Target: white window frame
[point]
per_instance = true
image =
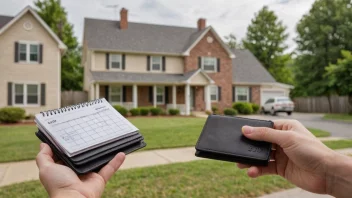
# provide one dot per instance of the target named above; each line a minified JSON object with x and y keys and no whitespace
{"x":120,"y":61}
{"x":236,"y":94}
{"x":121,"y":94}
{"x":151,"y":63}
{"x":215,"y":65}
{"x":28,"y":51}
{"x":217,"y":93}
{"x":25,"y":94}
{"x":160,"y":94}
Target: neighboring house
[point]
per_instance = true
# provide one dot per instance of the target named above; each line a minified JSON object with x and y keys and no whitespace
{"x":30,"y":63}
{"x":136,"y":64}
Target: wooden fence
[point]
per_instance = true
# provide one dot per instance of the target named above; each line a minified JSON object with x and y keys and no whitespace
{"x":73,"y":97}
{"x":339,"y":104}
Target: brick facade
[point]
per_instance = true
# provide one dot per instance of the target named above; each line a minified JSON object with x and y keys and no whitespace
{"x":199,"y":98}
{"x":222,"y":78}
{"x":255,"y":94}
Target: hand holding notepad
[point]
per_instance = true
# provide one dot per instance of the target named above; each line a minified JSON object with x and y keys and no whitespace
{"x":88,"y":135}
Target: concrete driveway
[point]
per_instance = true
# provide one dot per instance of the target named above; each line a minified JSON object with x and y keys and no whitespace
{"x":336,"y":128}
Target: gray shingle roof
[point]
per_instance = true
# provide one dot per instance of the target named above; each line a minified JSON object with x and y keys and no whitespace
{"x":247,"y":69}
{"x":4,"y":20}
{"x":138,"y":37}
{"x":127,"y":77}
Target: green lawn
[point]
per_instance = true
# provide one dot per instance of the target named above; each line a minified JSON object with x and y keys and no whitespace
{"x":339,"y":144}
{"x":193,"y":179}
{"x":339,"y":117}
{"x":319,"y":133}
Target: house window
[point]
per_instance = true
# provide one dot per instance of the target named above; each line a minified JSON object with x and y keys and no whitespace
{"x":28,"y":52}
{"x":26,"y":94}
{"x":115,"y":94}
{"x":214,"y":93}
{"x":160,"y":95}
{"x":115,"y":61}
{"x":209,"y":64}
{"x":156,"y":63}
{"x":242,"y":94}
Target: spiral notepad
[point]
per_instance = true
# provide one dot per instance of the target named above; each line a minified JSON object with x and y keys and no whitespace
{"x":79,"y":128}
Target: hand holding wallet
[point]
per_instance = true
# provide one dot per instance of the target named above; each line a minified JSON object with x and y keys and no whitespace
{"x":222,"y":139}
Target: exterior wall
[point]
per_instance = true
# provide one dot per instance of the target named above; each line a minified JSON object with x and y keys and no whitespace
{"x":255,"y":95}
{"x":180,"y":95}
{"x":138,"y":63}
{"x":222,"y":78}
{"x":199,"y":99}
{"x":129,"y":94}
{"x":199,"y":79}
{"x":143,"y":96}
{"x":48,"y":72}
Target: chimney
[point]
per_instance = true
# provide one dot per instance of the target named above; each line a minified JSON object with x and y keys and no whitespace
{"x":123,"y":19}
{"x":201,"y":23}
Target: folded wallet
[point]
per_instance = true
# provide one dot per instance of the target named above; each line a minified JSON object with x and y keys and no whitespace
{"x":222,"y":139}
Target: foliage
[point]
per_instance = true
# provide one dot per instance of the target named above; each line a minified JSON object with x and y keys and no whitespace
{"x":255,"y":107}
{"x":122,"y":110}
{"x":135,"y":112}
{"x":243,"y":107}
{"x":208,"y":112}
{"x":230,"y":112}
{"x":231,"y":41}
{"x":322,"y":34}
{"x":215,"y":110}
{"x":155,"y":111}
{"x":174,"y":111}
{"x":11,"y":114}
{"x":55,"y":16}
{"x":144,"y":111}
{"x":29,"y":117}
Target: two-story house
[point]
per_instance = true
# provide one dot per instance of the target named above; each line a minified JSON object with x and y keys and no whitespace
{"x":137,"y":64}
{"x":30,"y":63}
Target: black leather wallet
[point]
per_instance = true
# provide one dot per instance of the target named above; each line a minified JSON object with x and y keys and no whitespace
{"x":222,"y":139}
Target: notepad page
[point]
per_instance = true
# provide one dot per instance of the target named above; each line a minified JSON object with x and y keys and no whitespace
{"x":82,"y":129}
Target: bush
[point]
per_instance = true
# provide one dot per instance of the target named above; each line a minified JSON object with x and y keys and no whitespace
{"x":230,"y":112}
{"x":255,"y":108}
{"x":208,"y":112}
{"x":155,"y":111}
{"x":144,"y":111}
{"x":174,"y":111}
{"x":11,"y":114}
{"x":135,"y":112}
{"x":29,"y":117}
{"x":122,"y":110}
{"x":214,"y":109}
{"x":162,"y":112}
{"x":243,"y":108}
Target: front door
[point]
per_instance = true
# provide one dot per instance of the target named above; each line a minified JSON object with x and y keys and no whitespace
{"x":192,"y":101}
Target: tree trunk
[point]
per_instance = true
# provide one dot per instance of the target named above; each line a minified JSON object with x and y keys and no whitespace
{"x":330,"y":106}
{"x":350,"y":103}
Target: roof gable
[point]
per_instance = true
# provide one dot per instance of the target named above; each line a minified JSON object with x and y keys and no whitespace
{"x":4,"y":20}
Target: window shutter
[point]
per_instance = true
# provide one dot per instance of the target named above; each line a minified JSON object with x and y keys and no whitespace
{"x":42,"y":94}
{"x":107,"y":60}
{"x":218,"y":64}
{"x":151,"y":94}
{"x":123,"y":61}
{"x":163,"y":63}
{"x":250,"y":94}
{"x":107,"y":92}
{"x":219,"y":93}
{"x":124,"y":93}
{"x":41,"y":53}
{"x":166,"y":95}
{"x":199,"y":62}
{"x":148,"y":63}
{"x":16,"y":52}
{"x":233,"y":94}
{"x":9,"y":93}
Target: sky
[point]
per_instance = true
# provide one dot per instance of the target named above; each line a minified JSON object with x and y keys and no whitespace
{"x":226,"y":16}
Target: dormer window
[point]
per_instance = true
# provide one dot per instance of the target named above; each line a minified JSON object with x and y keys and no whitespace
{"x":156,"y":62}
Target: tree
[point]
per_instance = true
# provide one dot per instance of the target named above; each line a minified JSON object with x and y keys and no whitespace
{"x":265,"y":38}
{"x":55,"y":16}
{"x":231,"y":41}
{"x":322,"y":34}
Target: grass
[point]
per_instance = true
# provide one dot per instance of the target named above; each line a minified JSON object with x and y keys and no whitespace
{"x":339,"y":117}
{"x":193,"y":179}
{"x":319,"y":133}
{"x":339,"y":144}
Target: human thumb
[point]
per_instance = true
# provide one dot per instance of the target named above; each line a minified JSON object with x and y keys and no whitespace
{"x":267,"y":135}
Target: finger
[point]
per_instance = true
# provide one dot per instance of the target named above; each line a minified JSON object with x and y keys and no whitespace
{"x":45,"y":156}
{"x":243,"y":166}
{"x":108,"y":170}
{"x":281,"y":138}
{"x":256,"y":171}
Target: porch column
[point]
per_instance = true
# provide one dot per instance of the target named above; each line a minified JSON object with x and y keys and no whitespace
{"x":187,"y":99}
{"x":135,"y":96}
{"x":154,"y":96}
{"x":174,"y":106}
{"x":207,"y":98}
{"x":97,"y":91}
{"x":91,"y":92}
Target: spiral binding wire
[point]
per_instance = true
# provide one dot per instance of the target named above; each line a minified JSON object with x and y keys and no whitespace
{"x":70,"y":108}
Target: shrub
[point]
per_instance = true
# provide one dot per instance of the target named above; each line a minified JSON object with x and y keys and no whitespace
{"x":214,"y":109}
{"x":122,"y":110}
{"x":208,"y":112}
{"x":255,"y":108}
{"x":144,"y":111}
{"x":155,"y":111}
{"x":135,"y":112}
{"x":243,"y":108}
{"x":29,"y":117}
{"x":230,"y":112}
{"x":162,"y":112}
{"x":11,"y":114}
{"x":174,"y":111}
